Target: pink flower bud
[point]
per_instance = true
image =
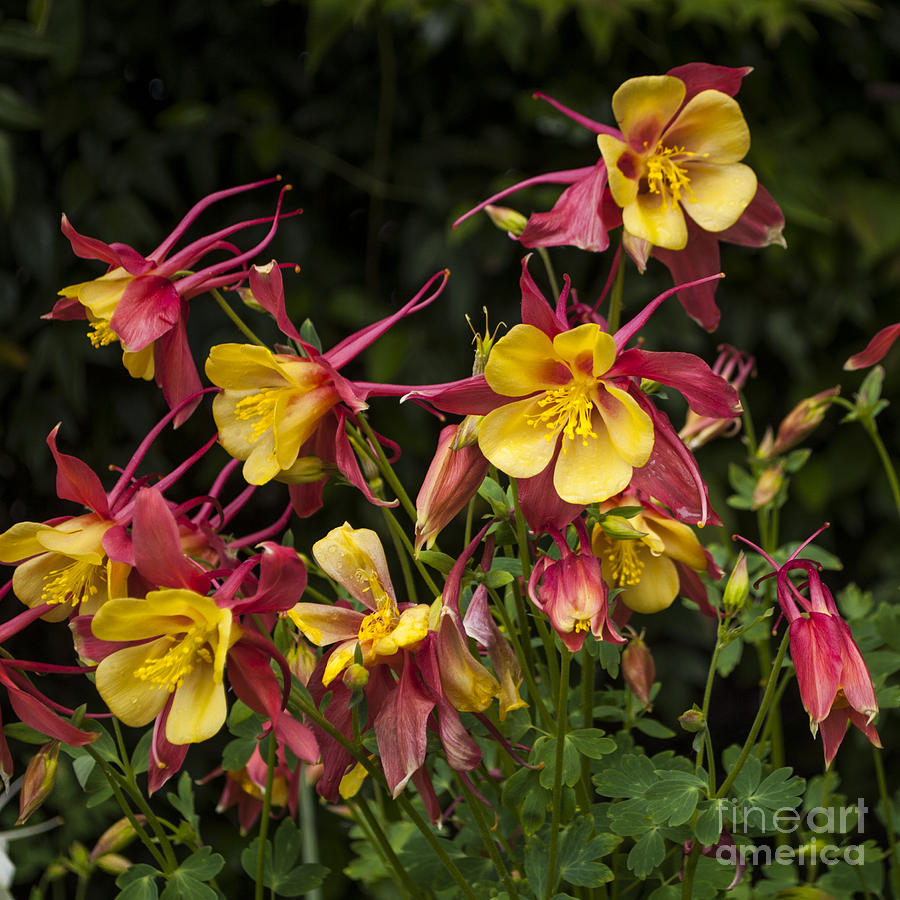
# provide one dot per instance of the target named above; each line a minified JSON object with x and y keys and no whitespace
{"x":118,"y":836}
{"x":804,"y":418}
{"x":767,"y":487}
{"x":40,"y":777}
{"x":639,"y":671}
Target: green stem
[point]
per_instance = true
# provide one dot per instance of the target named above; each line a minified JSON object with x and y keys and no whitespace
{"x":385,"y":467}
{"x":562,"y":721}
{"x":401,"y":555}
{"x":551,"y":275}
{"x":264,"y":818}
{"x":309,"y":833}
{"x":401,"y":535}
{"x":615,"y":297}
{"x":490,"y":845}
{"x":588,"y":667}
{"x":884,"y":456}
{"x":238,"y":321}
{"x":773,"y":725}
{"x":888,"y":820}
{"x":758,"y":721}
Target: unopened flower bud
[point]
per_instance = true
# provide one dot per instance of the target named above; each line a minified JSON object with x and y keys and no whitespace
{"x":39,"y":779}
{"x":451,"y":481}
{"x":114,"y":863}
{"x":355,"y":676}
{"x":466,"y":432}
{"x":806,"y":416}
{"x":507,"y":219}
{"x":639,"y":671}
{"x":117,"y":837}
{"x":738,"y":587}
{"x":767,"y":487}
{"x":620,"y":529}
{"x":483,"y":343}
{"x":305,"y":470}
{"x":301,"y":660}
{"x":692,"y":720}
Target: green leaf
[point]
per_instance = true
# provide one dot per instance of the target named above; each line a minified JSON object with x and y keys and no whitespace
{"x":579,"y":852}
{"x":183,"y":802}
{"x":653,"y":729}
{"x":280,"y":874}
{"x":203,"y":864}
{"x":708,"y":826}
{"x":310,"y":335}
{"x":436,"y":560}
{"x":237,"y":753}
{"x":781,"y":788}
{"x":534,"y":807}
{"x":673,"y":799}
{"x":544,"y":751}
{"x":138,"y":883}
{"x":495,"y":496}
{"x":185,"y":887}
{"x":647,"y":854}
{"x":591,"y":742}
{"x":630,"y":777}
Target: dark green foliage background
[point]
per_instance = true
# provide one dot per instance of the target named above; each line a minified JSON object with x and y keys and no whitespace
{"x":390,"y":119}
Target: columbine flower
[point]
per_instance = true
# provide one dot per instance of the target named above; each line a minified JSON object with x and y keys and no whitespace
{"x":564,"y":406}
{"x":835,"y":684}
{"x":679,"y":149}
{"x":650,"y":562}
{"x":284,"y":415}
{"x":572,"y":593}
{"x":141,"y":302}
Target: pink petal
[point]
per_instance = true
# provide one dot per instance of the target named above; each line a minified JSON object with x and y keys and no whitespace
{"x":535,"y":308}
{"x":176,"y":372}
{"x":282,"y":580}
{"x":299,"y":738}
{"x":761,"y":223}
{"x":816,"y":654}
{"x":268,"y":290}
{"x":699,"y":77}
{"x":75,"y":480}
{"x":165,"y":758}
{"x":875,"y":349}
{"x":149,"y":307}
{"x":114,"y":254}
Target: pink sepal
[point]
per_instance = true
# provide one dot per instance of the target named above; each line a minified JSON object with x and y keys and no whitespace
{"x":701,"y":76}
{"x":581,"y":217}
{"x":250,"y":675}
{"x":875,"y":350}
{"x":536,"y":310}
{"x":761,"y":223}
{"x":175,"y":370}
{"x":267,"y":287}
{"x":349,"y":465}
{"x":114,"y":254}
{"x":590,"y":124}
{"x":543,"y":508}
{"x":166,"y":758}
{"x":690,"y":586}
{"x":89,"y":647}
{"x":148,"y":308}
{"x":33,"y":712}
{"x":282,"y":580}
{"x":76,"y":481}
{"x":66,"y":309}
{"x":297,"y":737}
{"x":816,"y":653}
{"x":469,"y":396}
{"x":707,"y":394}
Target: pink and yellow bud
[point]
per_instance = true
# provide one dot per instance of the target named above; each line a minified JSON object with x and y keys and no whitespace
{"x":767,"y":487}
{"x":803,"y":419}
{"x":737,"y":589}
{"x":117,"y":837}
{"x":451,"y":481}
{"x":40,"y":776}
{"x":638,"y":670}
{"x":507,"y":219}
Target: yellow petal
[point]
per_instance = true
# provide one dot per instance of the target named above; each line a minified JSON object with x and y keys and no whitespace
{"x":296,"y":417}
{"x":243,"y":367}
{"x":522,"y":362}
{"x":167,"y":611}
{"x":512,"y":444}
{"x":133,"y":701}
{"x":587,"y":349}
{"x":652,"y":219}
{"x":644,"y":106}
{"x":198,"y":708}
{"x":718,"y":195}
{"x":20,"y":541}
{"x":101,"y":295}
{"x":412,"y":628}
{"x":680,"y":542}
{"x":657,"y":587}
{"x":590,"y":470}
{"x":79,"y":538}
{"x":346,"y":553}
{"x":340,"y":658}
{"x":712,"y":126}
{"x":140,"y":364}
{"x":323,"y":625}
{"x":623,"y":169}
{"x":630,"y":429}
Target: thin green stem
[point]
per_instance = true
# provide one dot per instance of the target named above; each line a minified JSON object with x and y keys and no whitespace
{"x":562,"y":722}
{"x":615,"y":297}
{"x":487,"y":839}
{"x":402,"y":536}
{"x":773,"y":725}
{"x":588,"y":667}
{"x":551,"y":275}
{"x":401,"y":555}
{"x":385,"y":467}
{"x":884,"y":456}
{"x":399,"y":870}
{"x":309,"y":832}
{"x":761,"y":713}
{"x":888,"y":820}
{"x":264,"y":817}
{"x":238,"y":321}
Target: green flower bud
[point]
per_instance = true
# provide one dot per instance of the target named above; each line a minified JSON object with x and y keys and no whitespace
{"x":738,"y":587}
{"x":507,"y":219}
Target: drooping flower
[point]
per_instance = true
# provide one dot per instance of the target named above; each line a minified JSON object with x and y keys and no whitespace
{"x":142,"y":302}
{"x":835,"y":685}
{"x":284,"y":415}
{"x":679,"y":149}
{"x":651,"y":562}
{"x":564,"y":406}
{"x":572,"y":593}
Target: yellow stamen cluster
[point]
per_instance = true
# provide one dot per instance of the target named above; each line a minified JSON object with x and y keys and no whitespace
{"x":261,"y":406}
{"x":167,"y":672}
{"x":625,"y":566}
{"x":567,"y":408}
{"x":100,"y":333}
{"x":380,"y":623}
{"x":582,"y":625}
{"x":74,"y":583}
{"x":665,"y":176}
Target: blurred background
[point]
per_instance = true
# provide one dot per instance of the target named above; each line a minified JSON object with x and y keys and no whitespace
{"x":392,"y":118}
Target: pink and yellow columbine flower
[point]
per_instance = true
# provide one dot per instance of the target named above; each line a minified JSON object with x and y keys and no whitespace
{"x":647,"y":557}
{"x":185,"y":640}
{"x":355,"y":559}
{"x":283,"y":414}
{"x":678,"y":151}
{"x":141,"y":302}
{"x":835,"y":685}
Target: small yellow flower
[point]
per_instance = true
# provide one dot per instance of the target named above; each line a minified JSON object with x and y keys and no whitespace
{"x":677,"y":158}
{"x":604,"y":432}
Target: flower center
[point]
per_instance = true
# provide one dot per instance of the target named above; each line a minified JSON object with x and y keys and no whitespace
{"x":101,"y":334}
{"x":260,"y":406}
{"x":625,"y":565}
{"x":567,"y":409}
{"x":168,"y":671}
{"x":380,"y":623}
{"x":73,"y":583}
{"x":666,"y":175}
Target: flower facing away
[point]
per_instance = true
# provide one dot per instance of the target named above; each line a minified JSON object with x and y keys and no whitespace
{"x":142,"y":302}
{"x":284,"y":415}
{"x":672,"y":176}
{"x":648,"y":555}
{"x":572,"y":593}
{"x":835,"y":685}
